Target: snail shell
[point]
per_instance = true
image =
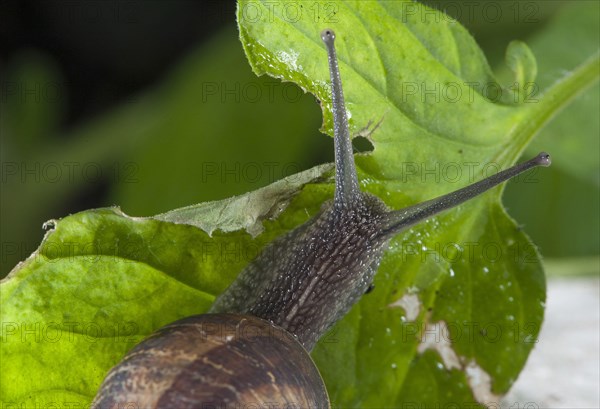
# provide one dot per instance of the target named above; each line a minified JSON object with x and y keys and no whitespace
{"x":215,"y":361}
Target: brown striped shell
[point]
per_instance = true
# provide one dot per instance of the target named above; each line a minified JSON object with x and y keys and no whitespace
{"x":215,"y":360}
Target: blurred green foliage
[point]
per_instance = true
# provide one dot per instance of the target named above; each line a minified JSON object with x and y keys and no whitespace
{"x":173,"y":144}
{"x":568,"y":224}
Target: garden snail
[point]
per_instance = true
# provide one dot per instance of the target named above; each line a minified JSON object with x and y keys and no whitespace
{"x":250,"y":350}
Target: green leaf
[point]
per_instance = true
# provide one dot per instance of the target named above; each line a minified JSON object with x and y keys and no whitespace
{"x":573,"y":181}
{"x":246,"y":211}
{"x":101,"y":281}
{"x":458,"y":300}
{"x":523,"y":65}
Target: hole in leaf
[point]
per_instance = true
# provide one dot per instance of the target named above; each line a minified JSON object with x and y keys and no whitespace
{"x":362,"y":144}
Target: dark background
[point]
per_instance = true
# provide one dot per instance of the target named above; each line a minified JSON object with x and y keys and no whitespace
{"x":110,"y":95}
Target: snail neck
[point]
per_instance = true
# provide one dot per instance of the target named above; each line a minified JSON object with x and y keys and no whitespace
{"x":330,"y":263}
{"x":309,"y":278}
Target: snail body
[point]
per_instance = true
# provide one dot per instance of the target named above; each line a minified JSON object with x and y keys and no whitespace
{"x":294,"y":291}
{"x":333,"y":257}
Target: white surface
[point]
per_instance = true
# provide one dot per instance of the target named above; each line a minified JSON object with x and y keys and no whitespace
{"x":563,"y":370}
